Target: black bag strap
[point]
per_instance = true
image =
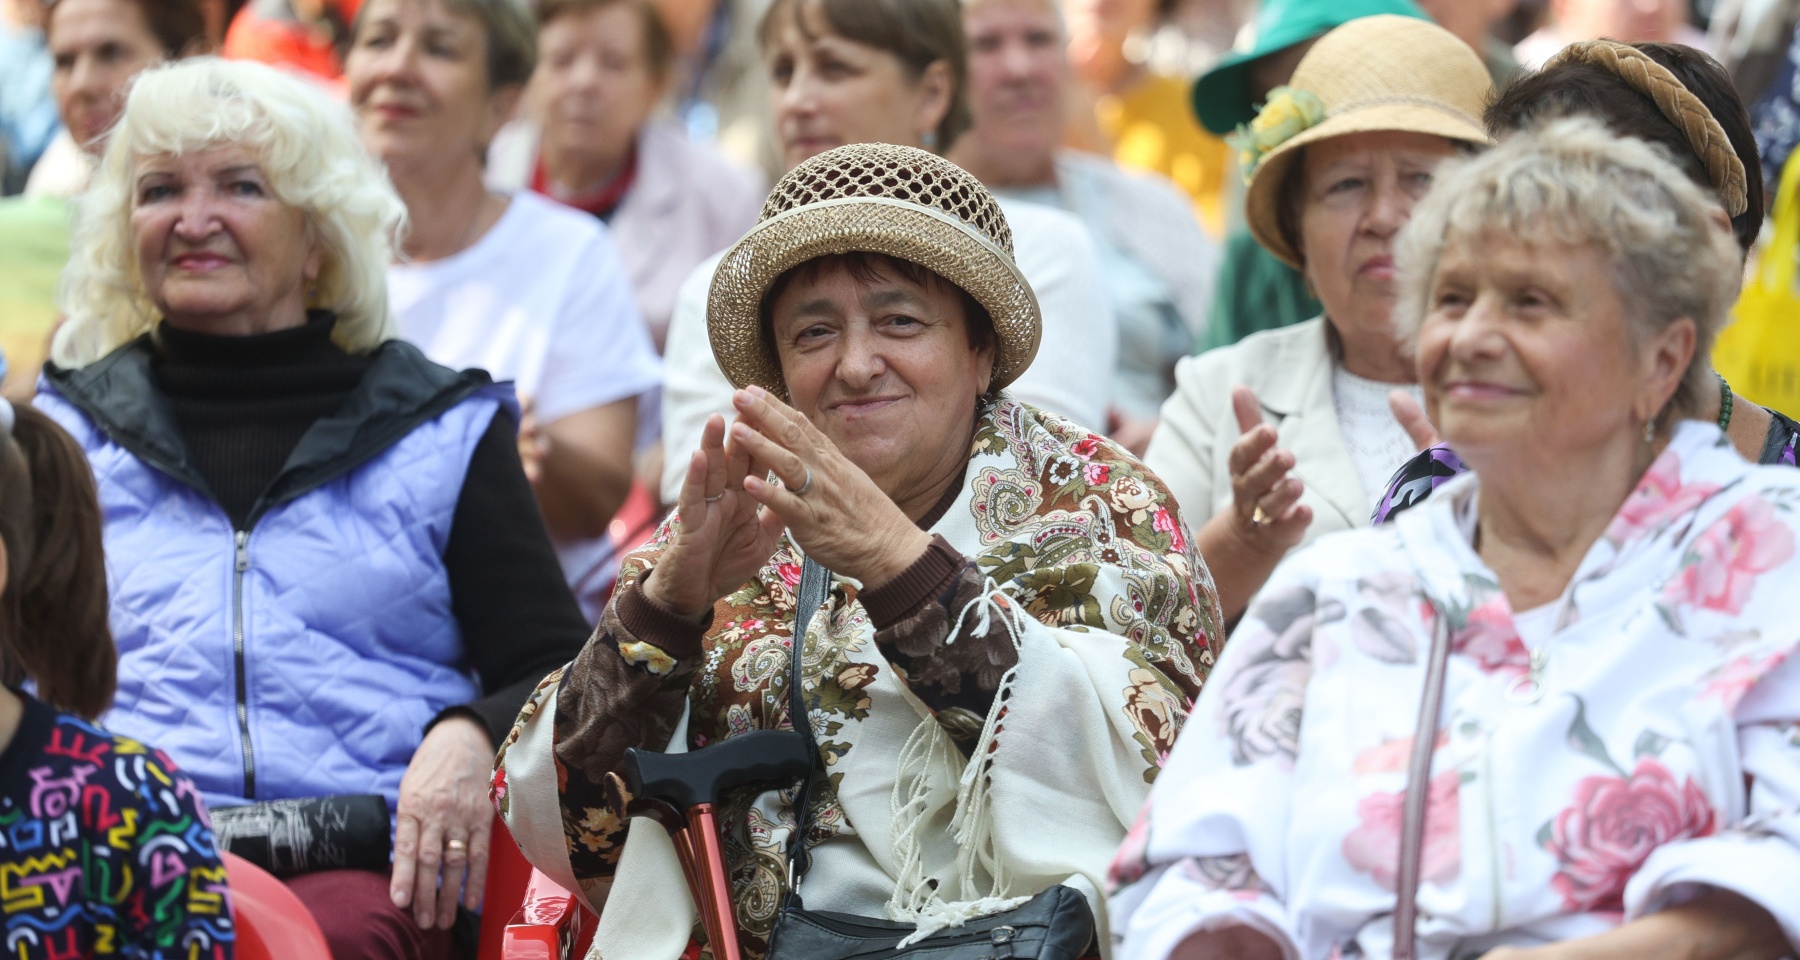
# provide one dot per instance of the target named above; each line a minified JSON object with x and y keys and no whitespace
{"x":815,"y":582}
{"x":1418,"y":781}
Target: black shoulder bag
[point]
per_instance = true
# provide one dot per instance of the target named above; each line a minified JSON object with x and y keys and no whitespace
{"x":1054,"y":925}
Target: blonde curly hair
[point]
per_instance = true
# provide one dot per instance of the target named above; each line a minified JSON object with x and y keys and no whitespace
{"x":313,"y":160}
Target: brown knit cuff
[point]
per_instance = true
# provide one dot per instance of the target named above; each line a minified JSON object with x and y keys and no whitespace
{"x":677,"y":636}
{"x":924,"y":580}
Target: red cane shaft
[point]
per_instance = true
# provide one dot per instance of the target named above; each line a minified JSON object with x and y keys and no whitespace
{"x":721,"y":922}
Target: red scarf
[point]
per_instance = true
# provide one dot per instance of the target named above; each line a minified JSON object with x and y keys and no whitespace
{"x":601,"y":201}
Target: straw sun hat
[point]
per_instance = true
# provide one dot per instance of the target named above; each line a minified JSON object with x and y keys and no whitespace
{"x":874,"y":198}
{"x":1378,"y":73}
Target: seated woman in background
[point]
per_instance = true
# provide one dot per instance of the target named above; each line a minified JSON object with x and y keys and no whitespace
{"x":1337,"y":161}
{"x":328,"y":572}
{"x":1583,"y":651}
{"x":511,"y":283}
{"x":108,"y":847}
{"x":97,"y":46}
{"x":590,"y":141}
{"x":1157,"y":263}
{"x":1682,"y":100}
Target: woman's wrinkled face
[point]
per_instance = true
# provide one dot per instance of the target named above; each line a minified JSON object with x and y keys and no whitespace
{"x":829,"y":91}
{"x":1017,"y":75}
{"x":594,"y":85}
{"x":1528,"y":347}
{"x":419,"y":83}
{"x":1357,"y":191}
{"x":216,"y":249}
{"x":96,"y":47}
{"x":884,"y":368}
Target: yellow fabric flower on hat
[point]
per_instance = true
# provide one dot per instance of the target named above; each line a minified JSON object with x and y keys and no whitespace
{"x":1286,"y":113}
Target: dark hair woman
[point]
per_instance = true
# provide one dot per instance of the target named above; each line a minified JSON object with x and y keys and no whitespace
{"x":984,"y":561}
{"x":78,"y":799}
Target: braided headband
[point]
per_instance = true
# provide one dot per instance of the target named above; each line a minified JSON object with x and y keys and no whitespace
{"x":1678,"y":104}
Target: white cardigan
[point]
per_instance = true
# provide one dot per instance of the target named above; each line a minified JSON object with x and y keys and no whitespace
{"x":1289,"y":369}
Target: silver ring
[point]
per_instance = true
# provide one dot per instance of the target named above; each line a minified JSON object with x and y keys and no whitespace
{"x":715,"y":498}
{"x":805,"y":485}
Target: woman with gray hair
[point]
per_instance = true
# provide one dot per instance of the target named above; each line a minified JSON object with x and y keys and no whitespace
{"x":1554,"y":711}
{"x":328,"y":575}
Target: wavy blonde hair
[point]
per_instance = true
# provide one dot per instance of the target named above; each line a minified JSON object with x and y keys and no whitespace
{"x":313,"y":159}
{"x":1574,"y":181}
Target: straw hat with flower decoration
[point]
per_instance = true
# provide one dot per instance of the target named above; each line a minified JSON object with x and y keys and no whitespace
{"x":873,"y":198}
{"x":1380,"y":73}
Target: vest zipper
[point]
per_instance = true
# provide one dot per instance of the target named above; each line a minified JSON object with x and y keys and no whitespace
{"x":237,"y":651}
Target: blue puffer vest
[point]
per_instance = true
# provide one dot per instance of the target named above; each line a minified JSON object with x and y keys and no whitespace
{"x":304,"y":655}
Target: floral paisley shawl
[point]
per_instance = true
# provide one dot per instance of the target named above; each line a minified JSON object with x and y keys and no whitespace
{"x":1118,"y":636}
{"x":1663,"y":751}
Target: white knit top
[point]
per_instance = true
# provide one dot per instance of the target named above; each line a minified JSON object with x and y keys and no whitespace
{"x":1377,"y":443}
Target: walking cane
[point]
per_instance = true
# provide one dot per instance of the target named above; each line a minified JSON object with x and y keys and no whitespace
{"x":681,"y":791}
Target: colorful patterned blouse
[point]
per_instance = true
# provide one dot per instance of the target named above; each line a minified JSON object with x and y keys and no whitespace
{"x":1435,"y":466}
{"x":105,"y":850}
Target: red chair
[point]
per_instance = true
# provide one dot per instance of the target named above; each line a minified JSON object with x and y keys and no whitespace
{"x":526,"y":915}
{"x":271,"y":922}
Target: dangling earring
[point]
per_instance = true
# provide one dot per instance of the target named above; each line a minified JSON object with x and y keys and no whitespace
{"x":929,"y":139}
{"x":1650,"y":431}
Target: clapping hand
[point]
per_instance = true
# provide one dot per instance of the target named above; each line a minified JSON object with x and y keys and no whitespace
{"x":833,"y":510}
{"x":1265,"y":501}
{"x":1412,"y":418}
{"x":724,"y":535}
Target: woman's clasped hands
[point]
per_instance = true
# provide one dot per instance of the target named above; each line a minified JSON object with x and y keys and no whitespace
{"x":733,"y":511}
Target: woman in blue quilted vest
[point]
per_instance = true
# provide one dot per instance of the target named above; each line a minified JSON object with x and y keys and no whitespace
{"x":328,"y":575}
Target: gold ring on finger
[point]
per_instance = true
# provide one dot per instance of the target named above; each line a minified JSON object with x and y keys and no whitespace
{"x":456,"y":846}
{"x":1258,"y":517}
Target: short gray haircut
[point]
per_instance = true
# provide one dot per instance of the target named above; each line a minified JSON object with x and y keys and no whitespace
{"x":1576,"y":182}
{"x":313,"y":159}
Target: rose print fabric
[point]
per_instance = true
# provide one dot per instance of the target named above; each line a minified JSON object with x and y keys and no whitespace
{"x":104,"y":849}
{"x":1435,"y":466}
{"x":1656,"y":751}
{"x":1062,"y":627}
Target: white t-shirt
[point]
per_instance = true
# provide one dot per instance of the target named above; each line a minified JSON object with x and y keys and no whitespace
{"x":542,"y":299}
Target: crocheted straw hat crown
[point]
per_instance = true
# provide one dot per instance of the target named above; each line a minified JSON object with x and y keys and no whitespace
{"x":874,"y":198}
{"x":1381,"y":73}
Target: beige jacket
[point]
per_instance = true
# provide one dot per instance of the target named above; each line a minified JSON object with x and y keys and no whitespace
{"x":1289,"y":369}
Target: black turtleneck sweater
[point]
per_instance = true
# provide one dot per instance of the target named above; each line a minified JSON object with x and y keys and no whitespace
{"x":243,"y":403}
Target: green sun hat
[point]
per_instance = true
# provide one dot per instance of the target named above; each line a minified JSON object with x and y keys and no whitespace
{"x":1222,"y":94}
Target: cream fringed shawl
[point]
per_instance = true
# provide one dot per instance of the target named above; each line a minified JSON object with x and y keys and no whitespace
{"x":1091,"y":572}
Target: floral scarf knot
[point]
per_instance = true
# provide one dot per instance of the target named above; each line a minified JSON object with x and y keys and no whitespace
{"x":1286,"y":113}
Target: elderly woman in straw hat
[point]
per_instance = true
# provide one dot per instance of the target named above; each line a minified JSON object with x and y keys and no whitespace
{"x":988,"y":560}
{"x":1554,"y":711}
{"x":1286,"y":435}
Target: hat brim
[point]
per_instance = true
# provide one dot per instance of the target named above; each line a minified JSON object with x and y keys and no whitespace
{"x":896,"y":228}
{"x":1262,"y":200}
{"x":1221,"y":96}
